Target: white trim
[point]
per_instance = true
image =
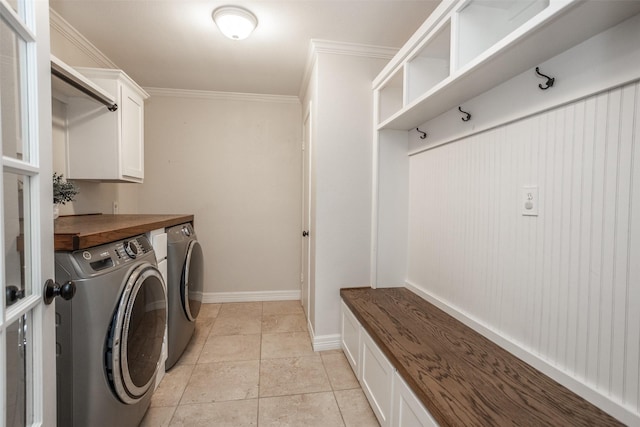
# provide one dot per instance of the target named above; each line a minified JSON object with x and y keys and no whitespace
{"x":352,"y":49}
{"x":16,"y":23}
{"x":220,"y":297}
{"x":229,"y":96}
{"x":623,"y":414}
{"x":317,"y":46}
{"x":66,"y":30}
{"x":326,"y":342}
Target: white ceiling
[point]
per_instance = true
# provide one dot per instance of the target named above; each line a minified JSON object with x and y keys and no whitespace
{"x":175,"y":44}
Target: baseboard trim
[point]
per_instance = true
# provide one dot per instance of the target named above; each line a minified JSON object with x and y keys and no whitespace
{"x":323,"y":342}
{"x":220,"y":297}
{"x":326,"y":342}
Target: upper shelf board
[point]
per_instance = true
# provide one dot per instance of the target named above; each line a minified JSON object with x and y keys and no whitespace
{"x":548,"y":34}
{"x":66,"y":83}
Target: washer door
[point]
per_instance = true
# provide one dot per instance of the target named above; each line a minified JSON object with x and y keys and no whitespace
{"x":134,"y":343}
{"x":191,"y":282}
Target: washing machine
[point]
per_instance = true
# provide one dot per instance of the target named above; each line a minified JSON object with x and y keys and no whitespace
{"x":109,"y":336}
{"x":185,"y":275}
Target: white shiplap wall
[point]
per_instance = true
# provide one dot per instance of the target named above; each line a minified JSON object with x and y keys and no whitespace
{"x":565,"y":285}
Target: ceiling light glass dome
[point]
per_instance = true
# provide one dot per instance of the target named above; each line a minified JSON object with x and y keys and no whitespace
{"x":235,"y":22}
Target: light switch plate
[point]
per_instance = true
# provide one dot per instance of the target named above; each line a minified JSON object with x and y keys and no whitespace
{"x":529,"y":201}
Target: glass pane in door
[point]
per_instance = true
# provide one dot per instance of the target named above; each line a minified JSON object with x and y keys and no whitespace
{"x":18,"y":361}
{"x":17,"y":6}
{"x":16,"y":237}
{"x":12,"y":91}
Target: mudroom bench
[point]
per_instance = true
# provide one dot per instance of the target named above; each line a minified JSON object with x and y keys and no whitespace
{"x":418,"y":366}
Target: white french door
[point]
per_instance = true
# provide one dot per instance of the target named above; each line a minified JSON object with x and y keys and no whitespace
{"x":27,"y":325}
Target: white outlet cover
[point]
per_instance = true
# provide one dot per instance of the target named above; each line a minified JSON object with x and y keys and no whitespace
{"x":529,"y":200}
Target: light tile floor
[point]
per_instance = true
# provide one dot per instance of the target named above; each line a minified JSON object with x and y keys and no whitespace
{"x":252,"y":364}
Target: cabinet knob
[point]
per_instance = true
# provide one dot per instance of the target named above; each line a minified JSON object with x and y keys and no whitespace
{"x":305,"y":233}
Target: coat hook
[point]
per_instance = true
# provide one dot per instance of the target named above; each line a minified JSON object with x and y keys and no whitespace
{"x":467,"y":118}
{"x":549,"y":82}
{"x":424,"y":134}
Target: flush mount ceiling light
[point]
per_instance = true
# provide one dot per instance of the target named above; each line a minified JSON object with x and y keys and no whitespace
{"x":235,"y":22}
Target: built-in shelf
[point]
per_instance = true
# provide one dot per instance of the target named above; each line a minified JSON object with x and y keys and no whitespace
{"x":430,"y":65}
{"x":391,"y":96}
{"x":67,"y":82}
{"x":483,"y":23}
{"x":491,"y":42}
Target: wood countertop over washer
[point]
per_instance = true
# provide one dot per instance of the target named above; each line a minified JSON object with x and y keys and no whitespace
{"x":84,"y":231}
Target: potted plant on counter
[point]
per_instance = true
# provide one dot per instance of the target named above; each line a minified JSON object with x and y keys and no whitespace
{"x":63,"y":192}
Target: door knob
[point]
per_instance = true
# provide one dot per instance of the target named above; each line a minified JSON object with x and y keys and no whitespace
{"x":52,"y":290}
{"x":13,"y":294}
{"x":305,"y":233}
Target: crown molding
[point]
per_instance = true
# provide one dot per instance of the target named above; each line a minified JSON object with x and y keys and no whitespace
{"x":317,"y":46}
{"x":352,"y":49}
{"x":66,"y":30}
{"x":227,"y":96}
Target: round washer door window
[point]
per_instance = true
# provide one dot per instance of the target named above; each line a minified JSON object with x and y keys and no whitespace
{"x":191,"y":283}
{"x":137,"y":334}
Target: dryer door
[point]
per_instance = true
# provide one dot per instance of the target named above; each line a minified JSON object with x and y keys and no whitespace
{"x":136,"y":335}
{"x":191,"y":283}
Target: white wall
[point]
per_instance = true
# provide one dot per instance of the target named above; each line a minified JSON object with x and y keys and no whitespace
{"x":234,"y":161}
{"x":561,"y":289}
{"x":340,"y":91}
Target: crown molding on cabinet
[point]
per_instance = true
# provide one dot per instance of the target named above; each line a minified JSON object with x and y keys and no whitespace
{"x":228,"y":96}
{"x":66,"y":30}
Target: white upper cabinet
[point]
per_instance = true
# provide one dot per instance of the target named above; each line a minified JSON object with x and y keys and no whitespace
{"x":467,"y":47}
{"x":103,"y":145}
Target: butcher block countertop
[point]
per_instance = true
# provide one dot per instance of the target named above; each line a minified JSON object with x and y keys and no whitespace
{"x":84,"y":231}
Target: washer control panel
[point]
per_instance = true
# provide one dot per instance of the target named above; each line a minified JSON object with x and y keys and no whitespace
{"x":103,"y":258}
{"x":131,"y":248}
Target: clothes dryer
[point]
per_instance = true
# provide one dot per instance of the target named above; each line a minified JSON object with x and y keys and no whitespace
{"x":109,"y":336}
{"x":185,"y":275}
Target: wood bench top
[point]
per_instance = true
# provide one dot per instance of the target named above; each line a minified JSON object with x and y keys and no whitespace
{"x":461,"y":377}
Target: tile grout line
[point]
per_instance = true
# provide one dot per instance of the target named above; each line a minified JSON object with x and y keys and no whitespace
{"x":262,"y":334}
{"x":333,"y":390}
{"x":195,"y":364}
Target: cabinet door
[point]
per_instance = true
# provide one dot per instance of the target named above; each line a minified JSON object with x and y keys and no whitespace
{"x":351,"y":339}
{"x":377,"y":380}
{"x":408,"y":411}
{"x":132,"y":133}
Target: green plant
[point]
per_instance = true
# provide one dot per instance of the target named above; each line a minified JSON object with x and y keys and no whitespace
{"x":63,"y":191}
